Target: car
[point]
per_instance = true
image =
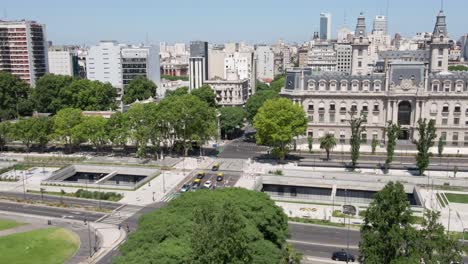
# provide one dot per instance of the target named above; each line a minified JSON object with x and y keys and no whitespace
{"x":349,"y":209}
{"x":185,"y":188}
{"x":343,"y":256}
{"x":208,"y":184}
{"x":196,"y":183}
{"x":215,"y":167}
{"x":219,"y":177}
{"x":200,"y":175}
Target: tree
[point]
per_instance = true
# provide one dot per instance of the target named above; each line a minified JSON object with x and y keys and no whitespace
{"x":93,"y":129}
{"x":117,"y":129}
{"x":393,"y":132}
{"x":139,"y":89}
{"x":230,"y":225}
{"x":440,"y":146}
{"x":328,"y":142}
{"x":457,"y":68}
{"x":138,"y":127}
{"x":66,"y":128}
{"x":278,"y":83}
{"x":206,"y":94}
{"x":277,"y":122}
{"x":46,"y":95}
{"x":310,"y":143}
{"x":231,"y":121}
{"x":374,"y":144}
{"x":177,"y":92}
{"x":356,"y":133}
{"x":261,"y":86}
{"x":427,"y":134}
{"x":42,"y":130}
{"x":387,"y":227}
{"x":92,"y":95}
{"x":5,"y":132}
{"x":23,"y":131}
{"x":14,"y":97}
{"x":256,"y":101}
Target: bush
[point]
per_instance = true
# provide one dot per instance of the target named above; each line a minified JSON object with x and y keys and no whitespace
{"x":108,"y":196}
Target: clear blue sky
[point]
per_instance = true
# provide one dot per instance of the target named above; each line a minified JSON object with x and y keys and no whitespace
{"x":88,"y":21}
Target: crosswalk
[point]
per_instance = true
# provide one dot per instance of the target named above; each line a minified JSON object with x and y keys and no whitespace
{"x":169,"y":197}
{"x":119,"y":215}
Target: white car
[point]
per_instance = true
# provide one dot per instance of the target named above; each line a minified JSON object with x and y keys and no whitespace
{"x":208,"y":184}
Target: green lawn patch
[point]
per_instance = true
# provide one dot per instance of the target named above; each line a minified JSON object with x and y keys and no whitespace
{"x":7,"y":224}
{"x":457,"y":198}
{"x":42,"y":246}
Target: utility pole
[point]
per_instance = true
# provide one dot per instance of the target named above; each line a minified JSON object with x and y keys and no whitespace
{"x":89,"y":239}
{"x":448,"y":226}
{"x":24,"y":188}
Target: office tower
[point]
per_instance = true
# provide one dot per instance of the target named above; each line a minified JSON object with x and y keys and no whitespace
{"x":380,"y":24}
{"x":104,"y":63}
{"x":344,"y":54}
{"x":140,"y":61}
{"x":325,"y":26}
{"x":198,"y":63}
{"x":23,"y":49}
{"x":265,"y":63}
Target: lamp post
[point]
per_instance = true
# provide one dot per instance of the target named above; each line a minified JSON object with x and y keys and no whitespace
{"x":347,"y":233}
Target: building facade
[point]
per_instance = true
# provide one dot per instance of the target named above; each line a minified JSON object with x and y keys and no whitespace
{"x":198,"y":64}
{"x":265,"y":63}
{"x":403,"y":93}
{"x":23,"y":49}
{"x":63,"y":61}
{"x":230,"y":92}
{"x":380,"y":24}
{"x":325,"y":26}
{"x":322,"y":57}
{"x":104,"y":63}
{"x":344,"y":54}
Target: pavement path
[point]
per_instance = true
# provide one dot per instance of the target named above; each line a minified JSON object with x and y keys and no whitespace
{"x":21,"y":229}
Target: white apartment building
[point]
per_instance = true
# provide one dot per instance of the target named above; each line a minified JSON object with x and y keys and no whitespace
{"x":23,"y":49}
{"x":216,"y":60}
{"x":62,"y":61}
{"x":265,"y":63}
{"x":118,"y":64}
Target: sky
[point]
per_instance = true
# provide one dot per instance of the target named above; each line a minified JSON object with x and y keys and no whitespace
{"x":219,"y":21}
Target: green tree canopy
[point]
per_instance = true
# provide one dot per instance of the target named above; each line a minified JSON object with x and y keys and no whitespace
{"x":256,"y":101}
{"x":139,"y":89}
{"x":231,"y":120}
{"x":457,"y":68}
{"x":393,"y":132}
{"x":93,"y":129}
{"x":223,"y":226}
{"x":47,"y":97}
{"x":206,"y":94}
{"x":139,"y":127}
{"x":35,"y":130}
{"x":93,"y":95}
{"x":23,"y":131}
{"x":427,"y":135}
{"x":5,"y":132}
{"x":277,"y":122}
{"x":261,"y":86}
{"x":117,"y":129}
{"x":328,"y":142}
{"x":278,"y":83}
{"x":66,"y":126}
{"x":14,"y":97}
{"x":177,"y":92}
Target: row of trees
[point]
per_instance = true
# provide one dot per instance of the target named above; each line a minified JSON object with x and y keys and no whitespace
{"x":388,"y":234}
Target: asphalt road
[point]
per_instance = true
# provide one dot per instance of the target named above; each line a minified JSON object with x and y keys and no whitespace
{"x":50,"y":211}
{"x":69,"y":201}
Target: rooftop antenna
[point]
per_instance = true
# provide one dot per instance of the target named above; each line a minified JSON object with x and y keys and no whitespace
{"x":344,"y":18}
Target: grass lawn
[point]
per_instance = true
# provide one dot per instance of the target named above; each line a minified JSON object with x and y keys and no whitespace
{"x":7,"y":224}
{"x":42,"y":246}
{"x":457,"y":198}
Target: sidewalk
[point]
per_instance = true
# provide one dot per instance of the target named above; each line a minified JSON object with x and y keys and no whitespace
{"x":110,"y":237}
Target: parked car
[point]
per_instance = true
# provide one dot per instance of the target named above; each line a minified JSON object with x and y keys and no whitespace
{"x":349,"y":209}
{"x":200,"y":175}
{"x":343,"y":256}
{"x":208,"y":184}
{"x":196,"y":184}
{"x":185,"y":188}
{"x":219,"y":177}
{"x":215,"y":167}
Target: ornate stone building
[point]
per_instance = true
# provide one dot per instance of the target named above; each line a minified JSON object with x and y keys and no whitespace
{"x":404,"y":91}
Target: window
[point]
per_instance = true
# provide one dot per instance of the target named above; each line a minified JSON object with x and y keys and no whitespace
{"x":343,"y":109}
{"x":457,"y":109}
{"x":376,"y":108}
{"x":365,"y":109}
{"x":321,"y":117}
{"x":441,"y":52}
{"x":342,"y":137}
{"x":433,"y":108}
{"x":445,"y":109}
{"x":311,"y":118}
{"x":321,"y":107}
{"x":363,"y":137}
{"x":444,"y":121}
{"x":354,"y":108}
{"x":435,"y":87}
{"x":310,"y":134}
{"x":310,"y":108}
{"x":332,"y":108}
{"x":443,"y":135}
{"x":456,"y":121}
{"x":332,"y":118}
{"x":360,"y":52}
{"x":455,"y":138}
{"x":439,"y":63}
{"x":466,"y":139}
{"x":359,"y":64}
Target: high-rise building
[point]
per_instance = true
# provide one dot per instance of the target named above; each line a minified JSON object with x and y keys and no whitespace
{"x":23,"y":49}
{"x":265,"y":63}
{"x":322,"y":57}
{"x":63,"y":61}
{"x":104,"y":63}
{"x":464,"y":48}
{"x":325,"y":26}
{"x":344,"y":54}
{"x":380,"y":24}
{"x":198,"y":64}
{"x":118,"y":64}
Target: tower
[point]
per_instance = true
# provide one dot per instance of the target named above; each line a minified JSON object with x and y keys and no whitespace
{"x":360,"y":48}
{"x":440,"y":45}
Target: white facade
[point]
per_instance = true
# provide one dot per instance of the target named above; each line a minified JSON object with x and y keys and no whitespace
{"x":344,"y":56}
{"x":216,"y":62}
{"x":230,"y":92}
{"x":265,"y":63}
{"x":197,"y":72}
{"x":344,"y":35}
{"x":104,"y":63}
{"x":141,"y":61}
{"x":322,"y":57}
{"x":61,"y":62}
{"x":378,"y":42}
{"x":380,"y":24}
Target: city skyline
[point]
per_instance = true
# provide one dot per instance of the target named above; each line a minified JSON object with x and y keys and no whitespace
{"x":253,"y":22}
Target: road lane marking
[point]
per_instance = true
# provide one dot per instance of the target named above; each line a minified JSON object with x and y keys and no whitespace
{"x":321,"y":244}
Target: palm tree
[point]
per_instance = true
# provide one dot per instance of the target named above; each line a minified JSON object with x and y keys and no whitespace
{"x":328,"y":142}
